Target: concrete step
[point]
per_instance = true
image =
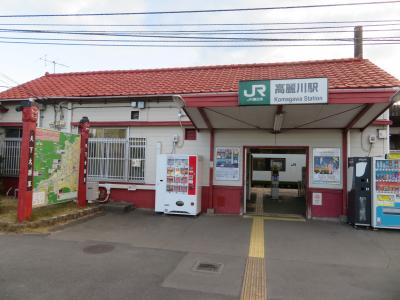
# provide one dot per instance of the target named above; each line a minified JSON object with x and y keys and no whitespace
{"x":118,"y":207}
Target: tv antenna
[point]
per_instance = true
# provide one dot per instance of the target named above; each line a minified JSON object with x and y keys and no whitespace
{"x":53,"y":62}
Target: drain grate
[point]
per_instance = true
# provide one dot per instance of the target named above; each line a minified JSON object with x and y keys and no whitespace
{"x":208,"y":267}
{"x":98,"y":249}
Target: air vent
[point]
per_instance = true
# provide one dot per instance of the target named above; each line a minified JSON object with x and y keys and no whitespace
{"x":208,"y":267}
{"x":134,"y":115}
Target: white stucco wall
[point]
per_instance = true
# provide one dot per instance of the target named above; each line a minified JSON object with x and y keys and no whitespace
{"x":164,"y":136}
{"x":12,"y":115}
{"x":100,"y":111}
{"x":360,"y":146}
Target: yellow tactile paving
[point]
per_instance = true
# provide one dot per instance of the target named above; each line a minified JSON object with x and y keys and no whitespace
{"x":254,"y":281}
{"x":256,"y":248}
{"x":259,"y":203}
{"x":284,"y":219}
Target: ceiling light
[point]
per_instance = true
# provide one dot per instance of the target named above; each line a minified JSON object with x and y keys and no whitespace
{"x":278,"y":121}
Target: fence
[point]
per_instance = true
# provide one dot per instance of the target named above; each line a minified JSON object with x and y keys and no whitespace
{"x":9,"y":156}
{"x":115,"y":159}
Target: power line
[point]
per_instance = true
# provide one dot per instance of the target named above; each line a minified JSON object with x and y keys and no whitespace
{"x":358,"y":22}
{"x":179,"y":37}
{"x":177,"y":40}
{"x":164,"y":34}
{"x":201,"y":11}
{"x":199,"y":46}
{"x":206,"y":31}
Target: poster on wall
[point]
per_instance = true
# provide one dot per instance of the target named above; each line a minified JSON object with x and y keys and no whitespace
{"x":227,"y":163}
{"x":326,"y":165}
{"x":56,"y":167}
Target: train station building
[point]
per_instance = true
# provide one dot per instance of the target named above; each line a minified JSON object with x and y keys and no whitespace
{"x":302,"y":119}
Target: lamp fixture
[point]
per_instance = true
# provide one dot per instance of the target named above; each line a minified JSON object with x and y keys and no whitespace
{"x":278,"y":121}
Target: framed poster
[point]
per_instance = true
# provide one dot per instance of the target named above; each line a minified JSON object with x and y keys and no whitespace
{"x":317,"y":199}
{"x":227,"y":163}
{"x":326,"y":166}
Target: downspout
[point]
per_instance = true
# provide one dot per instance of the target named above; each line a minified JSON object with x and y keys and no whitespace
{"x":68,"y":122}
{"x":211,"y":171}
{"x":345,"y":133}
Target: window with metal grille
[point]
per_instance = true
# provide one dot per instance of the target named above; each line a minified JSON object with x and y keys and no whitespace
{"x":137,"y":158}
{"x":114,"y":159}
{"x":9,"y":156}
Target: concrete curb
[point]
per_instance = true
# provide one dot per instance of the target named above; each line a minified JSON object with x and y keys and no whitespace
{"x":80,"y":220}
{"x":84,"y":213}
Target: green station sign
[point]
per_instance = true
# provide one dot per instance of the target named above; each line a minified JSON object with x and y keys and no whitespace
{"x":283,"y":91}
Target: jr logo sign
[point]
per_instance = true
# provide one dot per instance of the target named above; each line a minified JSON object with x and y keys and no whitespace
{"x":254,"y":92}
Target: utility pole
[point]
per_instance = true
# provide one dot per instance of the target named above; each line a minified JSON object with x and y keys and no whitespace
{"x":358,"y":42}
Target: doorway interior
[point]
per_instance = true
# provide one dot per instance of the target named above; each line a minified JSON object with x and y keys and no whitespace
{"x":276,"y":181}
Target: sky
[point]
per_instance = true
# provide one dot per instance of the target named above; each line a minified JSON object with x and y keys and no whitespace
{"x":20,"y":63}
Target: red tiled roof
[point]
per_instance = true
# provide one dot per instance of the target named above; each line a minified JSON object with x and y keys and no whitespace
{"x":341,"y":73}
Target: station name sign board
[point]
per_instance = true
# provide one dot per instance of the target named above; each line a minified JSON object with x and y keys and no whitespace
{"x":284,"y":91}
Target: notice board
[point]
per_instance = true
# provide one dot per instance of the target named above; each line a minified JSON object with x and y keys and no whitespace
{"x":56,"y":167}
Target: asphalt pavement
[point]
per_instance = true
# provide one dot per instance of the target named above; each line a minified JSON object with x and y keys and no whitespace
{"x":327,"y":260}
{"x":141,"y":255}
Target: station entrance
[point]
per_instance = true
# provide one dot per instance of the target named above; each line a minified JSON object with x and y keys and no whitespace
{"x":276,"y":181}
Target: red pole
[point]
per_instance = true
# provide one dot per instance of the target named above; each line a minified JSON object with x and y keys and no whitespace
{"x":25,"y":185}
{"x":84,"y":131}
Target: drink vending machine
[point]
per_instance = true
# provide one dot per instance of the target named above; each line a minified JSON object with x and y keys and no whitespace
{"x":177,"y":188}
{"x":386,"y":193}
{"x":359,"y":187}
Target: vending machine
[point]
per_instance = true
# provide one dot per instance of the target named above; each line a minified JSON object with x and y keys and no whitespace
{"x":359,"y":186}
{"x":386,"y":193}
{"x":177,"y":189}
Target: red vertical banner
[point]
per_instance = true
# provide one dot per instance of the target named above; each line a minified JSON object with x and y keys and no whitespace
{"x":25,"y":185}
{"x":192,"y":175}
{"x":83,"y":163}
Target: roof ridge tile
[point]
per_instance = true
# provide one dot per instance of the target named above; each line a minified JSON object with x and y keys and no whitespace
{"x":206,"y":67}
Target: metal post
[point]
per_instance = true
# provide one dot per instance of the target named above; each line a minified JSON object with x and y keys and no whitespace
{"x":211,"y":172}
{"x":126,"y":161}
{"x":84,"y":131}
{"x":344,"y":171}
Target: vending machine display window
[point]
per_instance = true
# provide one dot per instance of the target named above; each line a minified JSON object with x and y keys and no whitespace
{"x":386,"y":204}
{"x":177,"y":175}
